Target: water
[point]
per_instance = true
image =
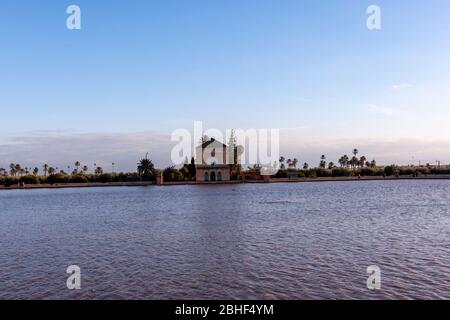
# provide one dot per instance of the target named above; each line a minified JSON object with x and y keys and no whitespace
{"x":253,"y":241}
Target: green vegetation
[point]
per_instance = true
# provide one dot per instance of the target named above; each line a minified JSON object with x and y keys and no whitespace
{"x":146,"y":171}
{"x":354,"y":167}
{"x":16,"y":175}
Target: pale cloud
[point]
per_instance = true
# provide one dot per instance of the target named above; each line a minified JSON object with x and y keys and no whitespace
{"x":62,"y":149}
{"x":295,"y":128}
{"x":384,"y":151}
{"x":401,"y":86}
{"x":125,"y":149}
{"x":373,"y":108}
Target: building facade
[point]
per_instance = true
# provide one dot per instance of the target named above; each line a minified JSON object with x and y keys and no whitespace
{"x":212,"y":161}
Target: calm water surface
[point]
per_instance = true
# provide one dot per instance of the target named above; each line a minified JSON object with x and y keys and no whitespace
{"x":283,"y":241}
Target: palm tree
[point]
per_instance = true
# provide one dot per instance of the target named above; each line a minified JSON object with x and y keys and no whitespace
{"x":18,"y":169}
{"x":331,"y":165}
{"x":12,"y":169}
{"x":51,"y":170}
{"x":373,"y":164}
{"x":85,"y":169}
{"x":98,"y":170}
{"x":282,"y":159}
{"x":145,"y":166}
{"x":343,"y":161}
{"x":45,"y":169}
{"x":362,"y":161}
{"x":36,"y":171}
{"x":305,"y":166}
{"x":323,"y":162}
{"x":2,"y":172}
{"x":289,"y":163}
{"x":295,"y":162}
{"x":77,"y":165}
{"x":354,"y":162}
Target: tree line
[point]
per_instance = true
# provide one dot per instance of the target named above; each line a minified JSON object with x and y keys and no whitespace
{"x":146,"y":171}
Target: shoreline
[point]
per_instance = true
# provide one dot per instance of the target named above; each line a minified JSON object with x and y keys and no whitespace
{"x":273,"y":180}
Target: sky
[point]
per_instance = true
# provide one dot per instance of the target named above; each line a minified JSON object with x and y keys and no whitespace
{"x":138,"y":70}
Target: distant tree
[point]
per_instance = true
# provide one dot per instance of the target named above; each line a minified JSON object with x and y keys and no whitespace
{"x":51,"y":170}
{"x":36,"y":171}
{"x":232,"y":155}
{"x":145,"y":167}
{"x":282,"y":159}
{"x":233,"y":140}
{"x":85,"y":169}
{"x":77,"y":165}
{"x":45,"y":169}
{"x":18,"y":169}
{"x":192,"y":169}
{"x":323,"y":162}
{"x":295,"y":162}
{"x":354,"y":162}
{"x":172,"y":174}
{"x":331,"y":165}
{"x":98,"y":171}
{"x":12,"y":169}
{"x":305,"y":166}
{"x":289,"y":163}
{"x":184,"y":173}
{"x":390,"y":170}
{"x":343,"y":161}
{"x":362,"y":161}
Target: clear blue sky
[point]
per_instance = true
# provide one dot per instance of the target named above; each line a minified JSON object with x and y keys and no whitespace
{"x":158,"y":65}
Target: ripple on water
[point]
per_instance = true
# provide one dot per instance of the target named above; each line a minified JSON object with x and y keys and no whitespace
{"x":255,"y":241}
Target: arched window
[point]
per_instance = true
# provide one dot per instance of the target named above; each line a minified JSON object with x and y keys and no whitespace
{"x":213,"y":176}
{"x":206,"y":176}
{"x":219,"y":176}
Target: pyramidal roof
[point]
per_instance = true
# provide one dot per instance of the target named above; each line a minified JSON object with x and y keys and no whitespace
{"x":212,"y":141}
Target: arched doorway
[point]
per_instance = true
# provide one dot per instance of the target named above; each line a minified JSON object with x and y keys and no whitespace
{"x":206,"y":176}
{"x":219,"y":176}
{"x":213,"y":176}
